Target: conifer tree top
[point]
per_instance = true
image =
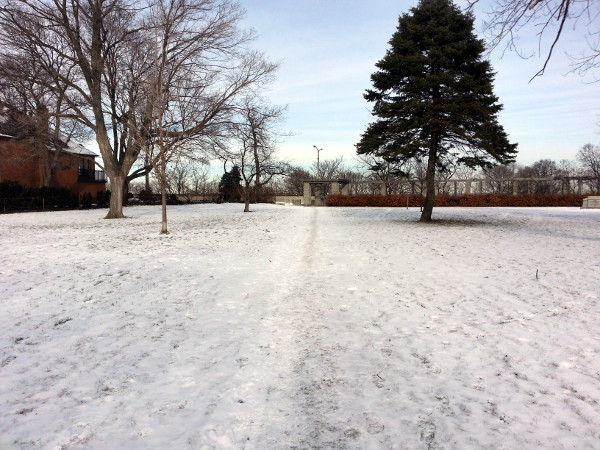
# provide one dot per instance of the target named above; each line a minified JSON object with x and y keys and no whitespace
{"x":434,"y":83}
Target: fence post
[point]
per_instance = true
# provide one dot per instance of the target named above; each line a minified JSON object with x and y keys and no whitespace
{"x":307,"y":197}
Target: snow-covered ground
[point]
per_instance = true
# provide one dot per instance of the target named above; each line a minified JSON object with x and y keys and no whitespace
{"x":295,"y":327}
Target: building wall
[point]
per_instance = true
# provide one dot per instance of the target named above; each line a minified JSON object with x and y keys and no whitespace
{"x":92,"y":188}
{"x":66,"y":173}
{"x":19,"y":163}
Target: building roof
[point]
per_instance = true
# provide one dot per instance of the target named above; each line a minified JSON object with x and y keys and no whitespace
{"x":72,"y":147}
{"x":78,"y":149}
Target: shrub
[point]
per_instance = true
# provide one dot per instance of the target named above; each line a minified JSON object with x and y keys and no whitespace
{"x":146,"y":195}
{"x":10,"y":189}
{"x":173,"y":200}
{"x":19,"y":198}
{"x":86,"y":200}
{"x":56,"y":197}
{"x":103,"y":198}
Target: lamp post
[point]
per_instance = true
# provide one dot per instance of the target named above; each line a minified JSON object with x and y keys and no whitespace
{"x":319,"y":150}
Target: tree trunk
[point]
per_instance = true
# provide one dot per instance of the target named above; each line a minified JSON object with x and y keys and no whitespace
{"x":147,"y":176}
{"x":48,"y":175}
{"x":125,"y":191}
{"x":247,"y":198}
{"x":257,"y":191}
{"x":257,"y":183}
{"x":162,"y":182}
{"x":115,"y":210}
{"x":430,"y":180}
{"x":116,"y":171}
{"x":163,"y":229}
{"x":49,"y":165}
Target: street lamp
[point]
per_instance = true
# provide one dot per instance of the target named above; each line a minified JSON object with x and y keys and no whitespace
{"x":319,"y":150}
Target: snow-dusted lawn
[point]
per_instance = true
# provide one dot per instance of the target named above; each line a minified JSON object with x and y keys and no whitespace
{"x":297,"y":327}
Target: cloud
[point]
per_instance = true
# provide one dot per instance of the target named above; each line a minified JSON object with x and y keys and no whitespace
{"x":328,"y":51}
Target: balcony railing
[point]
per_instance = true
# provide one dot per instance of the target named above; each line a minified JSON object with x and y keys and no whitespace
{"x":91,"y":176}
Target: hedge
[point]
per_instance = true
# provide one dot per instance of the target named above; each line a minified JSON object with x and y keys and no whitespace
{"x":393,"y":201}
{"x":15,"y":197}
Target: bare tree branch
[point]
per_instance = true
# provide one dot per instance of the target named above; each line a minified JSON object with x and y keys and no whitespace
{"x":105,"y":55}
{"x":508,"y":19}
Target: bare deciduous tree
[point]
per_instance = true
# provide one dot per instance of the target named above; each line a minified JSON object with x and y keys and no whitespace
{"x":77,"y":43}
{"x":255,"y":134}
{"x":543,"y":168}
{"x":200,"y":182}
{"x":293,"y":183}
{"x":568,"y":168}
{"x":187,"y":113}
{"x":589,"y":158}
{"x":114,"y":56}
{"x":384,"y":169}
{"x":179,"y":176}
{"x":549,"y":19}
{"x":36,"y":112}
{"x":497,"y":178}
{"x":329,"y":168}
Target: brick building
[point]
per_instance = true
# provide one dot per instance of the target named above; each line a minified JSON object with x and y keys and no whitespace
{"x":74,"y":168}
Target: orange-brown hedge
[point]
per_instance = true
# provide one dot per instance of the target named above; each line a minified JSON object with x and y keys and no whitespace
{"x":466,"y":200}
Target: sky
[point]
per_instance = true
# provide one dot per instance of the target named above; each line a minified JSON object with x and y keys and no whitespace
{"x":327,"y":50}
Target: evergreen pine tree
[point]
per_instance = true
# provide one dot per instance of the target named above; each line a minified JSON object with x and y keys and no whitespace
{"x":433,"y":97}
{"x":230,"y":186}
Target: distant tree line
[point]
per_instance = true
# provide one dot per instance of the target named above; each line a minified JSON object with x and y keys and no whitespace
{"x":191,"y":181}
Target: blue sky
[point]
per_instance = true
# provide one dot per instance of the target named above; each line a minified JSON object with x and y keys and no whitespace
{"x":328,"y":50}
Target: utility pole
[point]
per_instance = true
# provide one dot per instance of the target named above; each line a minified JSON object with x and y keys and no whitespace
{"x":319,"y":150}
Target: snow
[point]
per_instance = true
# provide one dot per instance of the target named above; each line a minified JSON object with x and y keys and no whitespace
{"x":294,"y":327}
{"x":78,"y":149}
